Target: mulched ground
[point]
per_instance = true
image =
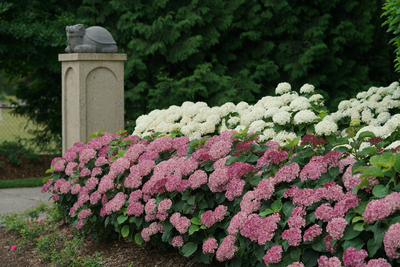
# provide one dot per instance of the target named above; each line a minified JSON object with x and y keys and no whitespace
{"x":28,"y":169}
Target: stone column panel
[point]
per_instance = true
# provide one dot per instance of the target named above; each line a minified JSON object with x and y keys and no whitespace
{"x":92,"y":95}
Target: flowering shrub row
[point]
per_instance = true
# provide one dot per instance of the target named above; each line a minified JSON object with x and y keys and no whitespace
{"x":232,"y":197}
{"x":286,"y":115}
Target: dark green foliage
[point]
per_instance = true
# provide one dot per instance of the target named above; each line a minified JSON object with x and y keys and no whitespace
{"x":392,"y":8}
{"x":15,"y":152}
{"x":211,"y":50}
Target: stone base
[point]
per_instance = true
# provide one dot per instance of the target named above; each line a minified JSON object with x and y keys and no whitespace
{"x":92,"y":95}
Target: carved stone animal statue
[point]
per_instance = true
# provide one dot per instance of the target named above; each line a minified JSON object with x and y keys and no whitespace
{"x":91,"y":40}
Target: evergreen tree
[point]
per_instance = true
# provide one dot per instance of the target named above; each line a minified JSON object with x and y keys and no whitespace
{"x":212,"y":50}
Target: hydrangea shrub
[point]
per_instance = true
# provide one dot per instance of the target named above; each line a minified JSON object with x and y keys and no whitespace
{"x":238,"y":199}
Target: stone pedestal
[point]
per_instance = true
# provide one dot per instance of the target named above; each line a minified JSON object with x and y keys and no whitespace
{"x":92,"y":95}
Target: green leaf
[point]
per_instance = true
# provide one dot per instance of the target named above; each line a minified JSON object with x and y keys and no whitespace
{"x":193,"y":228}
{"x":380,"y":191}
{"x":277,"y":205}
{"x":191,"y":200}
{"x":372,"y":171}
{"x":121,"y":219}
{"x":231,"y":160}
{"x":125,"y":231}
{"x":266,"y":212}
{"x":397,"y":164}
{"x":309,"y":258}
{"x":365,"y":134}
{"x":357,"y":218}
{"x":334,"y":172}
{"x":395,"y":220}
{"x":372,"y":247}
{"x":253,"y":158}
{"x":349,"y":233}
{"x":295,"y":254}
{"x":138,"y":239}
{"x":359,"y":227}
{"x":196,"y":221}
{"x":188,"y":249}
{"x":358,"y":243}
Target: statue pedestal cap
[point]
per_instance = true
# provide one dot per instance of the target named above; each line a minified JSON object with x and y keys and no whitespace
{"x":92,"y":95}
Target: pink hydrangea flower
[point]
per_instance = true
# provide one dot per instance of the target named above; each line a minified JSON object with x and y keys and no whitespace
{"x":312,"y":232}
{"x":181,"y":223}
{"x":149,"y":231}
{"x":161,"y":144}
{"x":251,"y":227}
{"x":151,"y":210}
{"x":220,"y":149}
{"x":332,"y":158}
{"x":82,"y":200}
{"x":120,"y":165}
{"x":179,"y":142}
{"x":100,"y":161}
{"x":133,"y":152}
{"x":314,"y":169}
{"x":75,"y":189}
{"x":70,"y":156}
{"x":250,"y":203}
{"x":354,"y":258}
{"x":172,"y":181}
{"x":227,"y":249}
{"x":239,"y":169}
{"x":135,"y":208}
{"x":273,"y":255}
{"x":265,"y":189}
{"x":91,"y":183}
{"x":237,"y":223}
{"x":59,"y":166}
{"x":47,"y":186}
{"x":84,"y":214}
{"x":182,"y":185}
{"x":307,"y":196}
{"x":177,"y":241}
{"x":219,"y":213}
{"x":271,"y":155}
{"x":71,"y":168}
{"x":391,"y":241}
{"x":115,"y":204}
{"x":296,"y":222}
{"x":234,"y":189}
{"x":293,"y":235}
{"x":378,"y":209}
{"x":336,"y":227}
{"x":201,"y":154}
{"x":332,"y":191}
{"x":96,"y":171}
{"x":287,"y":173}
{"x":164,"y":205}
{"x":328,"y":243}
{"x":197,"y":179}
{"x":210,"y":245}
{"x":348,"y":201}
{"x":350,"y":181}
{"x":86,"y":155}
{"x":324,"y":261}
{"x":106,"y":184}
{"x":80,"y":224}
{"x":324,"y":212}
{"x":218,"y":180}
{"x":381,"y":262}
{"x":207,"y":218}
{"x":95,"y":198}
{"x":296,"y":264}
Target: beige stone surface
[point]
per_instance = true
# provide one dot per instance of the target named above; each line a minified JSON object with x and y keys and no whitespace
{"x":92,"y":95}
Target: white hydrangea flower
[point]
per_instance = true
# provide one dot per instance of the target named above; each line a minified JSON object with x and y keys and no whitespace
{"x":305,"y":116}
{"x":164,"y":127}
{"x":343,"y":105}
{"x":376,"y":130}
{"x":396,"y":94}
{"x":316,"y":98}
{"x":207,"y":128}
{"x":194,"y":136}
{"x":242,"y":105}
{"x":285,"y":108}
{"x":393,"y":145}
{"x":375,"y":98}
{"x":300,"y":103}
{"x":234,"y":120}
{"x":282,"y":137}
{"x":392,"y":123}
{"x":269,"y":133}
{"x":393,"y":86}
{"x":144,"y":119}
{"x":155,"y":113}
{"x":373,"y":90}
{"x":383,"y":117}
{"x":363,"y":95}
{"x":185,"y":120}
{"x":367,"y":116}
{"x":326,"y":127}
{"x":307,"y":88}
{"x":283,"y":88}
{"x":276,"y":103}
{"x":239,"y":128}
{"x":271,"y":112}
{"x":282,"y":117}
{"x":330,"y":118}
{"x":288,"y":97}
{"x":257,"y":126}
{"x":215,"y":119}
{"x":383,"y":91}
{"x":355,"y":115}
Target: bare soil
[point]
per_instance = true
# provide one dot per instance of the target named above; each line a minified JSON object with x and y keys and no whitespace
{"x":28,"y":169}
